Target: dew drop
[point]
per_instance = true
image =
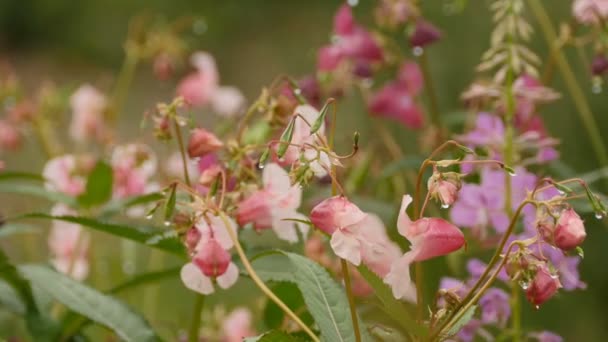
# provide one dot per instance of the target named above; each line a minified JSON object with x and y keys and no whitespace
{"x":599,"y":216}
{"x":149,"y":216}
{"x":167,"y":223}
{"x":260,"y":166}
{"x":297,"y":91}
{"x":352,"y":3}
{"x":445,"y":206}
{"x":418,"y":51}
{"x":561,"y":192}
{"x":512,"y":174}
{"x":554,"y":276}
{"x":128,"y":267}
{"x":524,"y":285}
{"x":536,"y":307}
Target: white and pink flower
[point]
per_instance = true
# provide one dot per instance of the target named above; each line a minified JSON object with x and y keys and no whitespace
{"x":88,"y":108}
{"x":69,"y":245}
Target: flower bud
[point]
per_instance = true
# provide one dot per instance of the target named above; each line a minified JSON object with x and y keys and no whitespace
{"x":424,"y":34}
{"x":193,"y":236}
{"x":599,"y":65}
{"x":570,"y":231}
{"x":255,"y":209}
{"x":334,"y":213}
{"x":212,"y":259}
{"x":203,"y":142}
{"x":444,"y":187}
{"x":543,"y":286}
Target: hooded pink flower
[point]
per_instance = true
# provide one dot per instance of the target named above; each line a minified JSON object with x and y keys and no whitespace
{"x":396,"y":100}
{"x":211,"y":259}
{"x":355,"y":235}
{"x":88,"y":107}
{"x":67,"y":174}
{"x":590,"y":11}
{"x":544,"y":286}
{"x":237,"y":325}
{"x":273,"y":205}
{"x":353,"y":42}
{"x":203,"y":142}
{"x":429,"y":238}
{"x":198,"y":87}
{"x":570,"y":230}
{"x":424,"y":34}
{"x":69,"y":245}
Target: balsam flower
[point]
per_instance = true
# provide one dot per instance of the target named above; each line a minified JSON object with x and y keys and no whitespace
{"x":544,"y":285}
{"x":88,"y":108}
{"x":238,"y":325}
{"x":590,"y":11}
{"x":69,"y":245}
{"x":429,"y":238}
{"x":203,"y":142}
{"x":569,"y":231}
{"x":211,"y":259}
{"x":273,"y":205}
{"x":67,"y":174}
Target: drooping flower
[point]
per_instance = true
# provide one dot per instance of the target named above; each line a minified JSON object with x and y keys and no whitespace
{"x":237,"y":325}
{"x":424,"y":34}
{"x":590,"y":11}
{"x":444,"y":187}
{"x":353,"y":42}
{"x":566,"y":267}
{"x":569,"y":231}
{"x":198,"y":87}
{"x":69,"y":245}
{"x":203,"y":142}
{"x":599,"y":65}
{"x":67,"y":174}
{"x":274,"y":205}
{"x":543,"y":286}
{"x":429,"y":238}
{"x":211,"y":259}
{"x":88,"y":107}
{"x":396,"y":99}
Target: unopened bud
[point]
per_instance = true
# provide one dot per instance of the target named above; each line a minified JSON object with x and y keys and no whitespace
{"x":203,"y":142}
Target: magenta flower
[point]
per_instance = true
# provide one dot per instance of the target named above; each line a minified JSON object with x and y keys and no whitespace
{"x":429,"y":238}
{"x":396,"y":100}
{"x":352,"y":42}
{"x":424,"y":34}
{"x":211,"y":259}
{"x":546,"y":336}
{"x":566,"y":267}
{"x":273,"y":205}
{"x":489,"y":133}
{"x":495,"y":307}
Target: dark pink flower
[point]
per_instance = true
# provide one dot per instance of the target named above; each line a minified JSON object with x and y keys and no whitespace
{"x":198,"y":87}
{"x":544,"y":286}
{"x":203,"y":142}
{"x":569,"y":231}
{"x":394,"y":101}
{"x":424,"y":34}
{"x":599,"y":65}
{"x":211,"y":258}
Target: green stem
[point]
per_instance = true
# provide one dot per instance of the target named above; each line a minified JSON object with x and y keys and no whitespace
{"x":195,"y":324}
{"x":432,"y":95}
{"x":123,"y":83}
{"x":351,"y":299}
{"x":574,"y":88}
{"x":182,"y":151}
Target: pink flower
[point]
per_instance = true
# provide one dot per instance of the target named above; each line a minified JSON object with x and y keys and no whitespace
{"x":198,"y":87}
{"x":543,"y":286}
{"x":444,"y":187}
{"x":69,"y":245}
{"x":237,"y":325}
{"x":10,"y":138}
{"x":88,"y":107}
{"x":570,"y":230}
{"x":66,"y":174}
{"x":273,"y":205}
{"x":396,"y":100}
{"x":353,"y":42}
{"x":175,"y":168}
{"x":429,"y":238}
{"x":211,"y":258}
{"x":590,"y":11}
{"x":355,"y":235}
{"x":424,"y":34}
{"x":227,"y":101}
{"x":599,"y":65}
{"x":133,"y":165}
{"x":203,"y":142}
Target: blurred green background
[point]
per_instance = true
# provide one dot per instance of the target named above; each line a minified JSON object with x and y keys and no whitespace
{"x":72,"y":41}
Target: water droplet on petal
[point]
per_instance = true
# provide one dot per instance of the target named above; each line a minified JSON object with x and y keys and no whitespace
{"x":167,"y":223}
{"x":149,"y":216}
{"x":512,"y":174}
{"x":599,"y":216}
{"x":297,"y":91}
{"x":561,"y":192}
{"x":554,"y":276}
{"x":260,"y":166}
{"x":524,"y":285}
{"x":445,"y":206}
{"x":418,"y":51}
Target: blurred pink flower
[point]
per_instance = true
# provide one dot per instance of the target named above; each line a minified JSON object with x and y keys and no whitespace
{"x":273,"y":205}
{"x":238,"y":325}
{"x":69,"y":245}
{"x":203,"y":142}
{"x":352,"y":42}
{"x":198,"y":87}
{"x":590,"y":11}
{"x":396,"y":99}
{"x":424,"y":34}
{"x":88,"y":108}
{"x":211,"y":259}
{"x":10,"y":138}
{"x":133,"y":165}
{"x":66,"y":174}
{"x":175,"y":169}
{"x":429,"y":238}
{"x":227,"y":101}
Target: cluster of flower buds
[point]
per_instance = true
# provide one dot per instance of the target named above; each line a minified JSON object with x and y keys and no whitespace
{"x":444,"y":187}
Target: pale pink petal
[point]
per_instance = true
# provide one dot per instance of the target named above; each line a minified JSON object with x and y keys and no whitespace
{"x":347,"y":246}
{"x":220,"y":231}
{"x":276,"y":179}
{"x":403,"y":221}
{"x":237,"y":325}
{"x":227,"y":101}
{"x":285,"y":229}
{"x":195,"y":280}
{"x":228,"y":279}
{"x":399,"y":278}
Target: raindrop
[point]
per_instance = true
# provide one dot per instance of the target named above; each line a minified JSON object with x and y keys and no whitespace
{"x":352,"y":3}
{"x":418,"y":51}
{"x":261,"y":166}
{"x":561,"y":192}
{"x":128,"y":267}
{"x":599,"y":216}
{"x":149,"y":216}
{"x":512,"y":173}
{"x":297,"y":91}
{"x":167,"y":223}
{"x":445,"y":206}
{"x":554,"y":276}
{"x":199,"y":26}
{"x":524,"y":285}
{"x":536,"y":307}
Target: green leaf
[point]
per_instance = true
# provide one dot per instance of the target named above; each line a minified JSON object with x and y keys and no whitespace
{"x":37,"y":191}
{"x":9,"y":229}
{"x":393,"y":307}
{"x":99,"y":186}
{"x":462,"y":321}
{"x":12,"y":176}
{"x":321,"y":118}
{"x":9,"y":299}
{"x":119,"y":205}
{"x":142,"y":235}
{"x":286,"y":137}
{"x":292,"y":297}
{"x":276,"y":336}
{"x":170,"y":205}
{"x":325,"y":299}
{"x":87,"y":301}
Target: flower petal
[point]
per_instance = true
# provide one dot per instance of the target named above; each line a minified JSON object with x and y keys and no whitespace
{"x":399,"y":278}
{"x":228,"y":279}
{"x":195,"y":280}
{"x":347,"y":246}
{"x":403,"y":221}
